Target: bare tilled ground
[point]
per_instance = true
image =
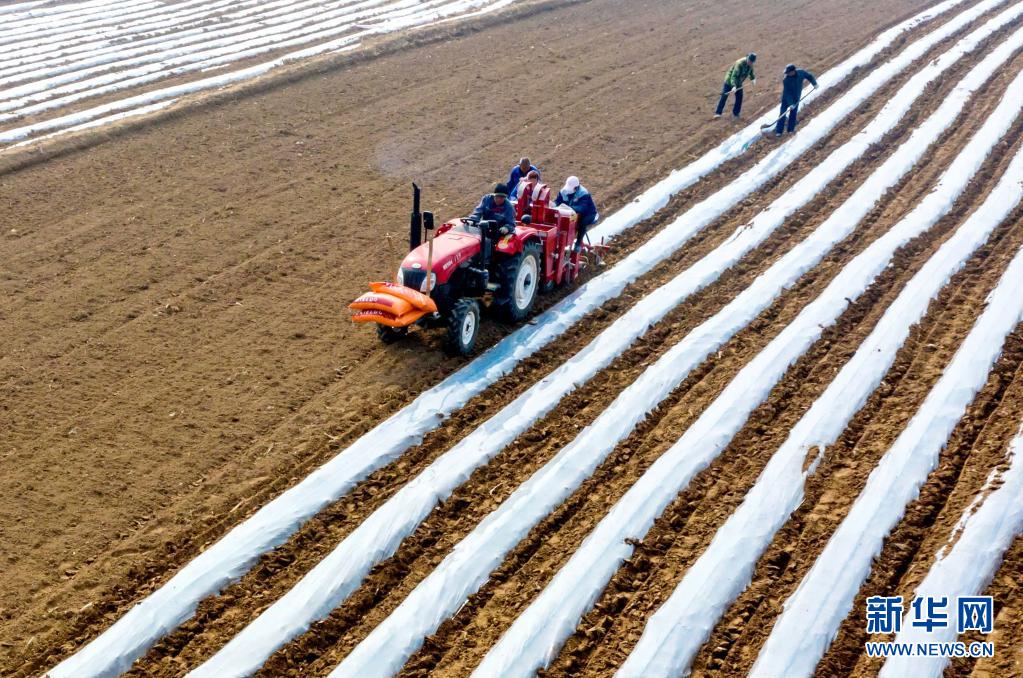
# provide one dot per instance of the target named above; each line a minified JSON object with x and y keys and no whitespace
{"x":176,"y":352}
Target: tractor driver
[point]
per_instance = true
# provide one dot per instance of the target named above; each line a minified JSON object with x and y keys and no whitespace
{"x":496,"y":207}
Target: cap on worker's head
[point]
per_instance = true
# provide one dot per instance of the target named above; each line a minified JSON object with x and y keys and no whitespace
{"x":791,"y":68}
{"x":752,"y":57}
{"x":501,"y":189}
{"x":571,"y":184}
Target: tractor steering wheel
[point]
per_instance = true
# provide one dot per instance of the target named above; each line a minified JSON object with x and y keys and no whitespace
{"x":491,"y":227}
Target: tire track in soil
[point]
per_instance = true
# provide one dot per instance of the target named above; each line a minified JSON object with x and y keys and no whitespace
{"x":339,"y":626}
{"x":144,"y":577}
{"x":699,"y":511}
{"x":328,"y":530}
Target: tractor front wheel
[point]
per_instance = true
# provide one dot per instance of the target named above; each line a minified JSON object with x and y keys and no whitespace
{"x":520,"y":279}
{"x":463,"y":327}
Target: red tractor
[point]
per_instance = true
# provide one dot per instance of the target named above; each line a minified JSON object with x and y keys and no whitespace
{"x":468,"y":265}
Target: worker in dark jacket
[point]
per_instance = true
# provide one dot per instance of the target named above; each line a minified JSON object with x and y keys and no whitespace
{"x":735,"y":79}
{"x":496,"y":207}
{"x":791,"y":93}
{"x":518,"y":172}
{"x":580,"y":200}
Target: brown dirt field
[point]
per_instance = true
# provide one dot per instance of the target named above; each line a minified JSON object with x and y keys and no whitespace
{"x":221,"y":617}
{"x":444,"y":527}
{"x":175,"y":351}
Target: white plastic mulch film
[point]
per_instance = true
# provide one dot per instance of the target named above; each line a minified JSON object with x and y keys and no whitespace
{"x":673,"y":635}
{"x":537,"y":634}
{"x":468,"y":566}
{"x":985,"y":532}
{"x":114,"y":650}
{"x":813,"y":613}
{"x":334,"y":578}
{"x":331,"y":31}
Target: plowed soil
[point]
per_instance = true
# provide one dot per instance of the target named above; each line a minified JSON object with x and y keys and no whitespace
{"x":222,"y":617}
{"x":175,"y":350}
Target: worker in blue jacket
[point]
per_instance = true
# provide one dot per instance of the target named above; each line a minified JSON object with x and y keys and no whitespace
{"x":791,"y":93}
{"x":496,"y":207}
{"x":518,"y":172}
{"x":580,"y":200}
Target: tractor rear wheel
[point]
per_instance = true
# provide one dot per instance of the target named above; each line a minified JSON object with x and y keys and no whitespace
{"x":389,"y":335}
{"x":520,"y":279}
{"x":463,"y":327}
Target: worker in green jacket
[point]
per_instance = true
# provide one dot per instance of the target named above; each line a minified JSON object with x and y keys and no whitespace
{"x":734,"y":79}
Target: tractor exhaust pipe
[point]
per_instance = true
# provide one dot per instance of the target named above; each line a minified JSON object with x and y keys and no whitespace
{"x":415,"y":238}
{"x":428,"y":224}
